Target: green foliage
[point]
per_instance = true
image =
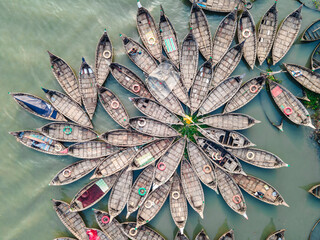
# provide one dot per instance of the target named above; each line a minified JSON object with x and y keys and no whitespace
{"x":316,"y":3}
{"x":314,"y":100}
{"x":272,"y":77}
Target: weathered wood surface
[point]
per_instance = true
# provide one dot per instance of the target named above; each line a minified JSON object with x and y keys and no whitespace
{"x":276,"y":235}
{"x":180,"y":236}
{"x":219,"y":5}
{"x":315,"y":191}
{"x":312,"y":32}
{"x":202,"y":235}
{"x":65,"y":238}
{"x":101,"y":235}
{"x":142,"y":233}
{"x":228,"y":236}
{"x":315,"y":58}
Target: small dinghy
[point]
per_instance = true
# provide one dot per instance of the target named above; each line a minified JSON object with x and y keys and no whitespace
{"x":228,"y":236}
{"x":315,"y":191}
{"x":315,"y":58}
{"x":278,"y":235}
{"x":202,"y":235}
{"x":218,"y":5}
{"x":312,"y":32}
{"x":143,"y":232}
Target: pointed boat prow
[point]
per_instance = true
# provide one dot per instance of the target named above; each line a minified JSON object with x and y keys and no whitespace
{"x":201,"y":214}
{"x":245,"y":216}
{"x":128,"y":214}
{"x":285,"y":204}
{"x":181,"y":230}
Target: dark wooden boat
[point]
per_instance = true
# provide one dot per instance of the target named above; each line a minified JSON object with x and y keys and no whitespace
{"x":148,"y":32}
{"x":65,"y":238}
{"x":169,"y":38}
{"x":69,"y":108}
{"x":67,"y":132}
{"x":150,"y":153}
{"x":287,"y":33}
{"x":139,"y":55}
{"x":230,"y":192}
{"x":96,"y":234}
{"x":259,"y":189}
{"x":140,"y":189}
{"x":267,"y":32}
{"x":277,"y":235}
{"x":192,"y":187}
{"x":92,"y":193}
{"x":114,"y":163}
{"x":306,"y":77}
{"x":104,"y":55}
{"x":220,"y":95}
{"x":312,"y":32}
{"x":291,"y":107}
{"x":189,"y":55}
{"x":126,"y":138}
{"x":246,"y":93}
{"x":180,"y":236}
{"x":315,"y":232}
{"x":152,"y":127}
{"x":201,"y":85}
{"x":227,"y":65}
{"x":258,"y":157}
{"x":224,"y":35}
{"x":72,"y":220}
{"x":91,"y":149}
{"x":155,"y":110}
{"x":218,"y":5}
{"x":143,"y":232}
{"x":220,"y":156}
{"x":315,"y":58}
{"x":39,"y":142}
{"x":129,"y":80}
{"x":120,"y":193}
{"x":168,"y":163}
{"x":201,"y":30}
{"x":153,"y":203}
{"x":247,"y":33}
{"x":229,"y":121}
{"x":228,"y":235}
{"x":202,"y":165}
{"x":37,"y":106}
{"x":113,"y":106}
{"x":88,"y":89}
{"x":74,"y":172}
{"x":65,"y":77}
{"x":202,"y":235}
{"x":315,"y":191}
{"x":112,"y":228}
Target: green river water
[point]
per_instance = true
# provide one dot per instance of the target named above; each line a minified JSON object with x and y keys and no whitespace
{"x":71,"y":29}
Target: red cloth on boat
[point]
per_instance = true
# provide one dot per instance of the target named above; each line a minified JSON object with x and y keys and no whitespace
{"x":276,"y":91}
{"x":93,"y":193}
{"x":93,"y":234}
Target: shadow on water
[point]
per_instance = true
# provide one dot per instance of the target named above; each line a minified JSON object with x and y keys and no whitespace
{"x":222,"y":229}
{"x":270,"y":228}
{"x":307,"y":187}
{"x":197,"y":228}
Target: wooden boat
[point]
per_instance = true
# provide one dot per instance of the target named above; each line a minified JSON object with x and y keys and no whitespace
{"x":140,"y":189}
{"x":126,"y":138}
{"x":155,"y":110}
{"x":202,"y":235}
{"x":65,"y":238}
{"x":246,"y":93}
{"x":306,"y":77}
{"x":180,"y":236}
{"x":120,"y":193}
{"x":218,"y":6}
{"x":287,"y":33}
{"x":227,"y":65}
{"x":150,"y":153}
{"x":143,"y":232}
{"x":189,"y":55}
{"x":72,"y":220}
{"x":258,"y":157}
{"x":223,"y":36}
{"x":277,"y":235}
{"x":148,"y":32}
{"x":201,"y":85}
{"x":291,"y":107}
{"x":91,"y":149}
{"x":37,"y":106}
{"x":39,"y":142}
{"x":74,"y":172}
{"x":229,"y":121}
{"x":267,"y":32}
{"x":92,"y":193}
{"x":69,"y":108}
{"x":152,"y":127}
{"x":178,"y":204}
{"x":201,"y":31}
{"x":259,"y":189}
{"x":113,"y":106}
{"x":104,"y":55}
{"x":226,"y":138}
{"x":202,"y":166}
{"x":315,"y":191}
{"x":230,"y":192}
{"x":139,"y":55}
{"x":65,"y":77}
{"x":228,"y":235}
{"x":114,"y":163}
{"x":88,"y":89}
{"x":168,"y":163}
{"x":219,"y":156}
{"x":153,"y":203}
{"x":315,"y":58}
{"x":192,"y":187}
{"x":247,"y":33}
{"x":169,"y":38}
{"x":67,"y":132}
{"x":112,"y":228}
{"x":314,"y":234}
{"x":96,"y":234}
{"x":220,"y":95}
{"x":312,"y":32}
{"x":129,"y":80}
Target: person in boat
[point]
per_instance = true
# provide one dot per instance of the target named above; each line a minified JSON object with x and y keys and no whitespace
{"x":133,"y":51}
{"x":259,"y":194}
